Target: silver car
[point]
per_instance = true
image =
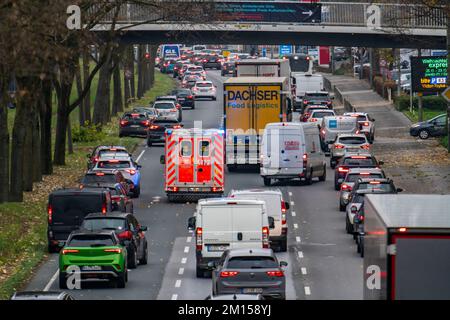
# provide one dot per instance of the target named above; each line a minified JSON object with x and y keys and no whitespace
{"x":366,"y":124}
{"x":352,"y":176}
{"x":249,"y":271}
{"x":345,"y":143}
{"x":167,"y":110}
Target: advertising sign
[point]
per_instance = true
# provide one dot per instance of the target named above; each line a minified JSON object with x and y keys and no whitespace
{"x":428,"y":74}
{"x":285,"y":49}
{"x":171,"y":51}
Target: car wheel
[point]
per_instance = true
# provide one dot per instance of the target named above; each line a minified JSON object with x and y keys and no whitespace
{"x":424,"y":134}
{"x":121,"y":280}
{"x":231,"y":167}
{"x":361,"y":246}
{"x":136,"y":192}
{"x":342,"y":207}
{"x":144,"y":259}
{"x":193,"y":107}
{"x":336,"y":185}
{"x":309,"y":178}
{"x":62,"y":281}
{"x":267,"y":181}
{"x":283,"y":245}
{"x":324,"y":176}
{"x":332,"y":163}
{"x":347,"y":225}
{"x":358,"y":246}
{"x":200,"y":272}
{"x":52,"y":249}
{"x":149,"y":143}
{"x":133,"y":260}
{"x":214,"y":98}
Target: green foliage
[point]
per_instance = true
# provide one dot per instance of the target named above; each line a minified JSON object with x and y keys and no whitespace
{"x":436,"y":103}
{"x":88,"y":133}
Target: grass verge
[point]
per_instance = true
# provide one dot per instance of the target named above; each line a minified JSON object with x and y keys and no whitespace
{"x":23,"y":239}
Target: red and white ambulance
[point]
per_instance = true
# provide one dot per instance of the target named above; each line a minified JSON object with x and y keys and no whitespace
{"x":194,"y":164}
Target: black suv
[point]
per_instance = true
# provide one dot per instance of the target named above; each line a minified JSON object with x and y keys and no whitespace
{"x":130,"y":233}
{"x":211,"y":61}
{"x":133,"y":124}
{"x":184,"y":97}
{"x":353,"y":160}
{"x":67,"y":209}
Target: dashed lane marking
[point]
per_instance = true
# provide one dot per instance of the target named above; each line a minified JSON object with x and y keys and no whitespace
{"x":298,"y":239}
{"x":189,"y":239}
{"x":181,"y":271}
{"x":140,"y":156}
{"x":183,"y":260}
{"x":308,"y":291}
{"x":292,"y":203}
{"x":178,"y":284}
{"x":174,"y":297}
{"x":303,"y":271}
{"x":295,"y":226}
{"x":186,"y":249}
{"x":293,"y":213}
{"x":300,"y":254}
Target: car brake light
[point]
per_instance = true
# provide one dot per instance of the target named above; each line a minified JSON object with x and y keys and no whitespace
{"x":177,"y":126}
{"x":358,"y":157}
{"x":305,"y":160}
{"x":313,"y":120}
{"x":125,"y":235}
{"x":178,"y":106}
{"x":116,"y":250}
{"x":265,"y":237}
{"x":199,"y":238}
{"x":339,"y":146}
{"x":346,"y":187}
{"x":366,"y":124}
{"x":50,"y":213}
{"x":342,"y":169}
{"x":365,"y":173}
{"x":365,"y":146}
{"x":113,"y":161}
{"x":131,"y":171}
{"x":323,"y":131}
{"x":374,"y":182}
{"x":228,"y":274}
{"x":190,"y":97}
{"x":66,"y":251}
{"x":358,"y":132}
{"x":153,"y":127}
{"x":145,"y":122}
{"x":277,"y":273}
{"x":305,"y":101}
{"x":96,"y":159}
{"x":104,"y":208}
{"x":283,"y":207}
{"x":123,"y":123}
{"x":402,"y":229}
{"x":100,"y":174}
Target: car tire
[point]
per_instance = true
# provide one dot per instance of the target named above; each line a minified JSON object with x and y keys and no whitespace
{"x":231,"y":167}
{"x":133,"y":260}
{"x":342,"y":207}
{"x":267,"y":181}
{"x":52,"y":249}
{"x":214,"y":99}
{"x":324,"y":176}
{"x":62,"y":281}
{"x":347,"y":225}
{"x":122,"y":280}
{"x":361,"y":248}
{"x":193,"y":107}
{"x":200,"y":273}
{"x":283,"y":245}
{"x":149,"y":143}
{"x":136,"y":192}
{"x":424,"y":134}
{"x":332,"y":163}
{"x":358,"y":246}
{"x":144,"y":259}
{"x":336,"y":185}
{"x":309,"y":178}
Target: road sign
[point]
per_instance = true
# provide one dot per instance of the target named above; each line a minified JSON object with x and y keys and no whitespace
{"x":428,"y":74}
{"x":285,"y":49}
{"x":446,"y":94}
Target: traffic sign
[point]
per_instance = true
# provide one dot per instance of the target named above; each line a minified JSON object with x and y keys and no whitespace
{"x":446,"y":94}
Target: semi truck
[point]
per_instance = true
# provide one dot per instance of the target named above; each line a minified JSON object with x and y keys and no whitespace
{"x":249,"y":104}
{"x":406,"y":247}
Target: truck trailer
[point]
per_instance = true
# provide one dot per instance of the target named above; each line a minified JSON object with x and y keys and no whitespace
{"x":407,"y":247}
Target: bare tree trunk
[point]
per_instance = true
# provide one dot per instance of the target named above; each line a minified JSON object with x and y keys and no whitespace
{"x":4,"y":140}
{"x":117,"y":91}
{"x":141,"y":71}
{"x":87,"y":99}
{"x":36,"y":145}
{"x":133,"y":73}
{"x":46,"y":127}
{"x":81,"y":112}
{"x":153,"y":50}
{"x":62,"y":119}
{"x":102,"y":99}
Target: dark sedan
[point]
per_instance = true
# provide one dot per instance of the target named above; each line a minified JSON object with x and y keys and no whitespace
{"x":156,"y":132}
{"x":228,"y":68}
{"x":211,"y":61}
{"x":431,"y":128}
{"x":133,"y":124}
{"x":184,"y":97}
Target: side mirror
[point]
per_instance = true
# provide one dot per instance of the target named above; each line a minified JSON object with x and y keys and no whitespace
{"x":143,"y":228}
{"x":287,"y":205}
{"x":191,"y":223}
{"x":283,"y":264}
{"x":399,"y":190}
{"x":212,"y":264}
{"x":162,"y":159}
{"x":380,"y":162}
{"x":271,"y":223}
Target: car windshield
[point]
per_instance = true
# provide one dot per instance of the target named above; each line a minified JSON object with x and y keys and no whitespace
{"x":322,"y":114}
{"x":251,"y":263}
{"x":164,"y":106}
{"x":104,"y":223}
{"x":113,"y":164}
{"x":94,"y":179}
{"x":359,"y":161}
{"x":204,"y":85}
{"x":352,"y":140}
{"x":375,"y":186}
{"x":353,"y":177}
{"x":96,"y":240}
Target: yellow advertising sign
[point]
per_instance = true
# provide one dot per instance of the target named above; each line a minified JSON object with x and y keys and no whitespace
{"x":226,"y":53}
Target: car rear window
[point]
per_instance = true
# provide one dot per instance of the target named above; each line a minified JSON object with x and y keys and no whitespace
{"x":134,"y":116}
{"x":352,"y":140}
{"x":353,"y":177}
{"x":182,"y":93}
{"x":113,"y":164}
{"x":104,"y":223}
{"x":252,"y":263}
{"x":110,"y":153}
{"x":194,"y":69}
{"x":66,"y":207}
{"x":204,"y":85}
{"x":362,"y":118}
{"x":359,"y":161}
{"x":322,"y":114}
{"x":165,"y":122}
{"x":376,"y":187}
{"x":94,"y":179}
{"x":164,"y":106}
{"x":166,"y":98}
{"x":91,"y":241}
{"x":317,"y":95}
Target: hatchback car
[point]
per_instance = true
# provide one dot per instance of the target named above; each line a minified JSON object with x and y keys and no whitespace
{"x":317,"y":98}
{"x":249,"y":271}
{"x":167,"y":110}
{"x":185,"y":98}
{"x":100,"y":150}
{"x":151,"y":113}
{"x":127,"y":228}
{"x":156,"y":132}
{"x":120,"y":195}
{"x":196,"y":69}
{"x":431,"y":128}
{"x":346,"y":143}
{"x":308,"y":110}
{"x":317,"y":115}
{"x":204,"y":89}
{"x":353,"y":160}
{"x":174,"y":99}
{"x":366,"y":124}
{"x":133,"y":124}
{"x":190,"y":80}
{"x":211,"y":61}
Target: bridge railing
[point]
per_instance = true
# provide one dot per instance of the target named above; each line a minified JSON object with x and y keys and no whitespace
{"x":333,"y":14}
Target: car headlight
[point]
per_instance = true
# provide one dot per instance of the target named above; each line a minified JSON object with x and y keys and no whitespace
{"x":415,"y":126}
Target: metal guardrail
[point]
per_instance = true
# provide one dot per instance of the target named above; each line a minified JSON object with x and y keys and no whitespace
{"x":402,"y":16}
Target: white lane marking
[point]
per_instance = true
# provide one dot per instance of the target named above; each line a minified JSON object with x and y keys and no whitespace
{"x":52,"y":280}
{"x":293,"y":213}
{"x":297,"y":239}
{"x":181,"y":271}
{"x":303,"y":271}
{"x":184,"y":260}
{"x":140,"y":156}
{"x":186,"y":249}
{"x":292,"y":203}
{"x":300,"y":254}
{"x":189,"y":239}
{"x":308,"y":291}
{"x":178,"y":284}
{"x":290,"y":194}
{"x":295,"y":226}
{"x":174,"y":297}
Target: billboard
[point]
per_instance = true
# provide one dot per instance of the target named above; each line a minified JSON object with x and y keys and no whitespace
{"x":170,"y":51}
{"x":428,"y":74}
{"x":259,"y":11}
{"x":285,"y":49}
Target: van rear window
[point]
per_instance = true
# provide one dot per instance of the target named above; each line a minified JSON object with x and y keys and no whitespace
{"x":94,"y":179}
{"x":70,"y":206}
{"x":252,"y":263}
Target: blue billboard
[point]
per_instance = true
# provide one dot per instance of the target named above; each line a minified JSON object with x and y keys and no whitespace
{"x":171,"y":51}
{"x":286,"y":49}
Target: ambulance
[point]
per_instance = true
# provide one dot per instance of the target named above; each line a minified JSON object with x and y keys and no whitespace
{"x":194,"y":164}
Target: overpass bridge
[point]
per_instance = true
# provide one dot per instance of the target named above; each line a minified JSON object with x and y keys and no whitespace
{"x":274,"y":22}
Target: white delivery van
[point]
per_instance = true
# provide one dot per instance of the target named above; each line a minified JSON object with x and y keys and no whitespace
{"x":292,"y":151}
{"x":332,"y":126}
{"x":276,"y":208}
{"x":305,"y":82}
{"x":227,"y":223}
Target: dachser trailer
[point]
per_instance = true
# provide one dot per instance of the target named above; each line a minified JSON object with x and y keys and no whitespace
{"x":194,"y":164}
{"x":406,"y":247}
{"x":250,"y":103}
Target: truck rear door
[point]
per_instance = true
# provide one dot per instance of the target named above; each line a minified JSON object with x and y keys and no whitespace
{"x":217,"y":224}
{"x":203,"y":163}
{"x":247,"y":226}
{"x":291,"y":145}
{"x":186,"y":160}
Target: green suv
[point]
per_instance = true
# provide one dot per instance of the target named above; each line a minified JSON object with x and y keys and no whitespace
{"x":96,"y":255}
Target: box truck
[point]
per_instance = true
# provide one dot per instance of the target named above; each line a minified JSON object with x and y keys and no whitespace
{"x":249,"y":104}
{"x":407,"y":247}
{"x":263,"y":68}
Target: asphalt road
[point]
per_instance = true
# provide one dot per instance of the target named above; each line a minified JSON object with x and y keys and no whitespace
{"x":322,"y":258}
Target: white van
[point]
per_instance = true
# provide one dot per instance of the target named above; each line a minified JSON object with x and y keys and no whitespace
{"x":227,"y":223}
{"x":332,"y":126}
{"x":306,"y":82}
{"x":276,"y":208}
{"x":291,"y":151}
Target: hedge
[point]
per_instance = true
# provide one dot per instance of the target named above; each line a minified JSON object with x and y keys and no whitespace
{"x":436,"y":103}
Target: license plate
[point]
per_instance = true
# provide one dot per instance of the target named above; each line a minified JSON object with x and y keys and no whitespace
{"x":353,"y":149}
{"x":91,"y":268}
{"x":252,"y":290}
{"x":214,"y":248}
{"x":181,"y":99}
{"x":134,"y":126}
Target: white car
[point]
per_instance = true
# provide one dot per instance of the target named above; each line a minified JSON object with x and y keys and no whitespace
{"x":204,"y":89}
{"x":366,"y":124}
{"x":196,"y":69}
{"x":167,"y":110}
{"x":318,"y":114}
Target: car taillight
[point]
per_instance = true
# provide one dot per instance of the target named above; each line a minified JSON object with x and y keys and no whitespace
{"x":360,"y":218}
{"x":277,"y":273}
{"x":50,"y":213}
{"x":115,"y":199}
{"x":66,"y":251}
{"x":365,"y":146}
{"x":100,"y":174}
{"x":265,"y":237}
{"x":95,"y":159}
{"x":177,"y":127}
{"x":283,"y":207}
{"x":131,"y":171}
{"x":178,"y":106}
{"x":313,"y":120}
{"x":153,"y":127}
{"x":339,"y":146}
{"x":123,"y":123}
{"x":365,"y":124}
{"x":346,"y":187}
{"x":146,"y":123}
{"x":190,"y":97}
{"x":342,"y":169}
{"x":305,"y":160}
{"x":228,"y":274}
{"x":358,"y":132}
{"x":199,"y":238}
{"x":323,"y":131}
{"x":115,"y":250}
{"x":104,"y":207}
{"x":127,"y":235}
{"x":305,"y":101}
